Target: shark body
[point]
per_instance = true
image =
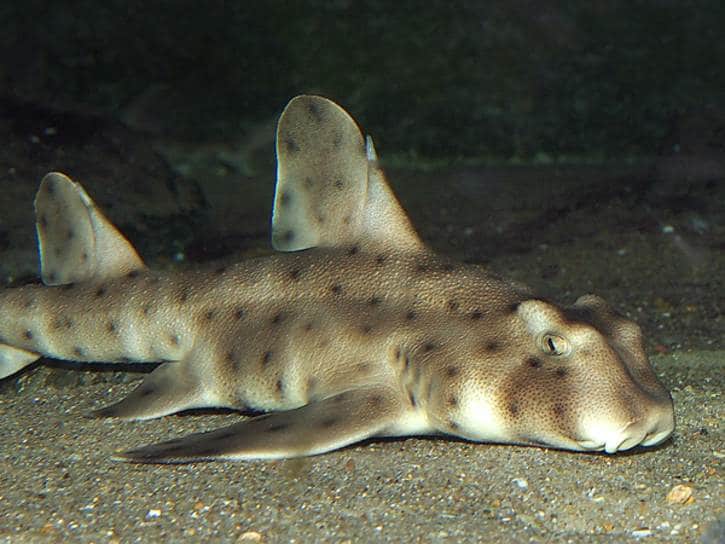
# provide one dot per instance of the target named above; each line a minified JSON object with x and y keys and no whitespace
{"x":354,"y":329}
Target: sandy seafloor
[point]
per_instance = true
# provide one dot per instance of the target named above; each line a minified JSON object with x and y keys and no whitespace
{"x":58,"y":483}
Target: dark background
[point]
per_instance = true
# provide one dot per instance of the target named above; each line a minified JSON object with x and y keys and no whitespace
{"x":502,"y":79}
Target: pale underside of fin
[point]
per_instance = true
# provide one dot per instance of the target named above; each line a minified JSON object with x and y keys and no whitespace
{"x":76,"y":242}
{"x":168,"y":389}
{"x":315,"y":428}
{"x":14,"y":359}
{"x":330,"y":190}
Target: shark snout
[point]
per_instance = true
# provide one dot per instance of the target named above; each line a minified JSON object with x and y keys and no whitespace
{"x":653,"y":427}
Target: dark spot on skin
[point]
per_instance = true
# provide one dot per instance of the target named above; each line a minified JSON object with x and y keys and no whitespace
{"x":374,"y":301}
{"x":28,"y":335}
{"x":513,"y":307}
{"x":58,"y":251}
{"x":284,"y":199}
{"x":278,"y":427}
{"x":561,"y":372}
{"x":347,"y":219}
{"x":84,"y":256}
{"x":328,"y":422}
{"x":279,"y":387}
{"x":366,"y":329}
{"x":452,"y":305}
{"x":559,"y":409}
{"x":476,"y":314}
{"x":513,"y":409}
{"x":239,"y":314}
{"x":62,"y":323}
{"x":341,"y":397}
{"x":133,"y":274}
{"x":174,"y":339}
{"x":100,"y":292}
{"x":309,"y":326}
{"x":184,"y":295}
{"x":353,"y":250}
{"x":308,"y":183}
{"x":229,"y":357}
{"x":146,"y":391}
{"x":452,"y":371}
{"x":146,"y":310}
{"x":111,"y":327}
{"x":320,"y":219}
{"x":336,"y":289}
{"x":339,"y":184}
{"x":363,"y":368}
{"x":70,"y":234}
{"x":452,"y":401}
{"x":453,"y":425}
{"x":375,"y":401}
{"x":410,"y":315}
{"x":533,"y":362}
{"x":380,"y":259}
{"x":266,"y":358}
{"x":78,"y":351}
{"x":209,"y":315}
{"x":314,"y":111}
{"x":288,"y":236}
{"x":428,"y":347}
{"x":294,"y":274}
{"x":291,"y":145}
{"x":492,"y":346}
{"x":411,"y":399}
{"x":277,"y":319}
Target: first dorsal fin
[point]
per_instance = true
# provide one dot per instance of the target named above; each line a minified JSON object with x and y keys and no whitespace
{"x":76,"y":241}
{"x":330,"y":189}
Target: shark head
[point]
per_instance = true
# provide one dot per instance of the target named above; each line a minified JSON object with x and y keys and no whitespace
{"x":574,"y":378}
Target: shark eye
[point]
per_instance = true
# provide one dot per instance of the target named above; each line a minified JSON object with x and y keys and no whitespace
{"x":553,"y":344}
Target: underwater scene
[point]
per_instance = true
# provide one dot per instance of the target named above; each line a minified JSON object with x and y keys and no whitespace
{"x":336,"y":271}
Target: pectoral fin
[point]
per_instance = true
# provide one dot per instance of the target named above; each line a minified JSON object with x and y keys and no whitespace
{"x":315,"y":428}
{"x":170,"y":388}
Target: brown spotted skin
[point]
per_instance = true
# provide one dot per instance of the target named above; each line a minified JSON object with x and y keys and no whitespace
{"x":365,"y":333}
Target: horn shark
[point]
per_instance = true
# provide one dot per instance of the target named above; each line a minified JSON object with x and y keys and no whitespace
{"x":353,"y":329}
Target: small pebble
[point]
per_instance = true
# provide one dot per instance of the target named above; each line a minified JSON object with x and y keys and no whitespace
{"x":680,"y":494}
{"x":250,"y":536}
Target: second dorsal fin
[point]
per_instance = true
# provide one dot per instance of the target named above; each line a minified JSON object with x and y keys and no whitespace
{"x":330,"y":189}
{"x":76,"y":241}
